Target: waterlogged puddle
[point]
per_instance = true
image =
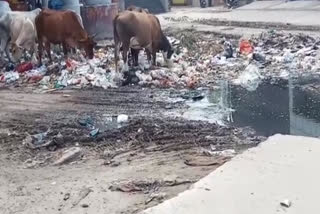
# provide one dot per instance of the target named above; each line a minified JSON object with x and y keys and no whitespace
{"x":276,"y":106}
{"x":211,"y":108}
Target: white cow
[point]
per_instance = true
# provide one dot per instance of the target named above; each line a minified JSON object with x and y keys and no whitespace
{"x":4,"y":34}
{"x":20,"y":26}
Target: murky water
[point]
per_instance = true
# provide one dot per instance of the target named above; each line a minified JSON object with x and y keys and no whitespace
{"x":276,"y":106}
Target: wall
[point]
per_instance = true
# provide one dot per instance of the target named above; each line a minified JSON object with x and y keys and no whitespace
{"x":165,"y":4}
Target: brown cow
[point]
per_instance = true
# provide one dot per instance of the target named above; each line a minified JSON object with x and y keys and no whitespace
{"x":141,"y":30}
{"x":135,"y":52}
{"x":62,"y":27}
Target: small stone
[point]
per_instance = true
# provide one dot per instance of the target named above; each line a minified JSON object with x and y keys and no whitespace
{"x":286,"y":203}
{"x":115,"y":164}
{"x":66,"y":196}
{"x":37,"y":188}
{"x":84,"y":205}
{"x":122,"y":118}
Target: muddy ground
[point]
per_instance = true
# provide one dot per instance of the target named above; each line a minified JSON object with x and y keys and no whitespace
{"x":154,"y":156}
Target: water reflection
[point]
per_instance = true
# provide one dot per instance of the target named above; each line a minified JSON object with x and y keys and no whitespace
{"x":276,"y":106}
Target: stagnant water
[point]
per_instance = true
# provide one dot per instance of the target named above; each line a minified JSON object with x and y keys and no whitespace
{"x":276,"y":106}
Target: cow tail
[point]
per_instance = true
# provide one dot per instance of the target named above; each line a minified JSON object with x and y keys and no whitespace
{"x":116,"y":41}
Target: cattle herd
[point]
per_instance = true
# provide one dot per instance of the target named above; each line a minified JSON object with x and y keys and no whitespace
{"x":134,"y":29}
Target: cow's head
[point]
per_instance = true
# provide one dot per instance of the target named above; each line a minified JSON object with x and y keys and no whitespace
{"x":88,"y":44}
{"x":166,"y":47}
{"x":16,"y":52}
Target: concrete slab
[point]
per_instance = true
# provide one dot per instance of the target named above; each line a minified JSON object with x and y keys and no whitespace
{"x":260,"y":5}
{"x":281,"y":5}
{"x":305,"y":17}
{"x":297,"y":5}
{"x":283,"y":167}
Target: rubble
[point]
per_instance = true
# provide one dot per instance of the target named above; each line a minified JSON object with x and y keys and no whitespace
{"x":68,"y":156}
{"x":146,"y":185}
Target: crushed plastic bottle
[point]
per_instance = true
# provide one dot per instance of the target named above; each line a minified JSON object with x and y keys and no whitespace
{"x":9,"y":77}
{"x":250,"y":78}
{"x":37,"y":74}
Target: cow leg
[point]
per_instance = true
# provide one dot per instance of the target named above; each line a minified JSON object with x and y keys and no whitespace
{"x":65,"y":50}
{"x":40,"y":50}
{"x":148,"y":56}
{"x":154,"y":55}
{"x":6,"y":49}
{"x":33,"y":49}
{"x":135,"y":56}
{"x":48,"y":51}
{"x":125,"y":49}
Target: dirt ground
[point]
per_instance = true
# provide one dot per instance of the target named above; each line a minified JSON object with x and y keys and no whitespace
{"x":153,"y":156}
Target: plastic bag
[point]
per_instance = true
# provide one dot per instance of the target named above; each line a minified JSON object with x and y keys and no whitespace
{"x":246,"y":47}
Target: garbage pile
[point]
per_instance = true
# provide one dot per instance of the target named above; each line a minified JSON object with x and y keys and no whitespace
{"x":62,"y":73}
{"x":203,"y":60}
{"x":199,"y":60}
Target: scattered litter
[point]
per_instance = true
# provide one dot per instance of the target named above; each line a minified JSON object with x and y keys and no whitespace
{"x":146,"y":185}
{"x":9,"y":77}
{"x":286,"y":203}
{"x":246,"y":47}
{"x":94,"y":132}
{"x":206,"y":161}
{"x":159,"y":197}
{"x":84,"y":192}
{"x":84,"y":205}
{"x":27,"y":66}
{"x":122,"y":118}
{"x":68,"y":155}
{"x":198,"y":60}
{"x":87,"y":122}
{"x":66,"y":196}
{"x":225,"y":153}
{"x":250,"y":78}
{"x":228,"y":49}
{"x":37,"y":140}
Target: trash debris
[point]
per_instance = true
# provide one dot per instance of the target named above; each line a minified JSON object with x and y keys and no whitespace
{"x":228,"y":49}
{"x":94,"y":132}
{"x":87,"y":122}
{"x":37,"y":140}
{"x":122,"y":118}
{"x":26,"y":66}
{"x":156,"y":196}
{"x":146,"y":185}
{"x":9,"y":77}
{"x":206,"y":161}
{"x":66,"y":196}
{"x":84,"y":192}
{"x":286,"y":203}
{"x":198,"y":61}
{"x":84,"y":205}
{"x":250,"y":78}
{"x":68,"y":156}
{"x":246,"y":47}
{"x":225,"y":153}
